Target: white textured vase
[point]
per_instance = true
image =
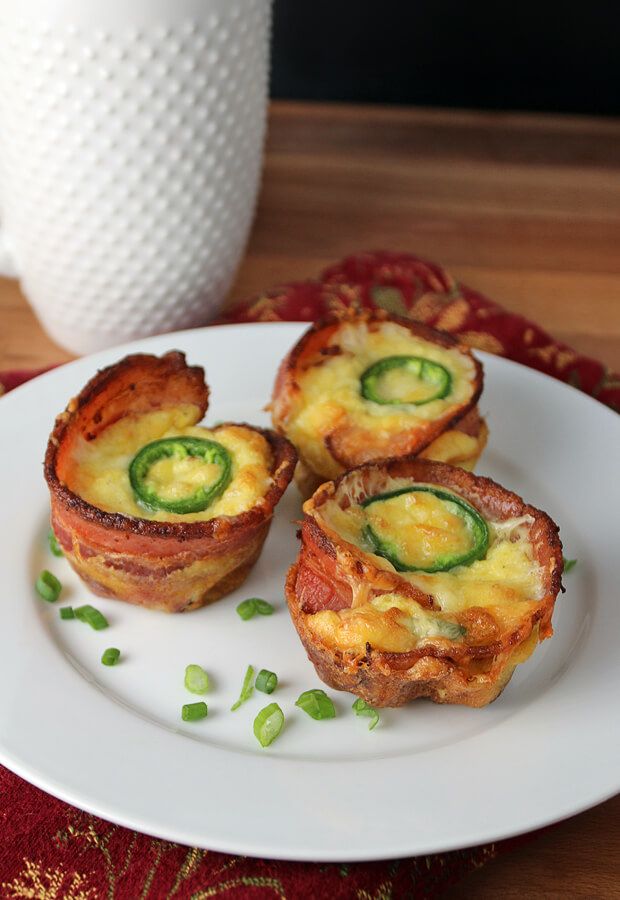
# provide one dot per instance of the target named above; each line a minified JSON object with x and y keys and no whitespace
{"x":131,"y":139}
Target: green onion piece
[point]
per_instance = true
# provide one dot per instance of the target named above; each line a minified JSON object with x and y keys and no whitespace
{"x":361,"y":708}
{"x":268,"y":724}
{"x":67,"y":612}
{"x":452,"y":630}
{"x":91,"y":616}
{"x":317,"y":704}
{"x":246,"y":609}
{"x":262,"y":607}
{"x":196,"y":679}
{"x":48,"y":587}
{"x":266,"y":681}
{"x":111,"y":656}
{"x":192,"y":712}
{"x":569,"y":564}
{"x":53,"y":542}
{"x":247,"y":689}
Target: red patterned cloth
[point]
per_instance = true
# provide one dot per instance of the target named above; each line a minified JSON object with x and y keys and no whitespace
{"x":404,"y":284}
{"x":51,"y":851}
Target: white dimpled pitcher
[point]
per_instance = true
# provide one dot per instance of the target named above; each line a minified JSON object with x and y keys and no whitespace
{"x":131,"y":137}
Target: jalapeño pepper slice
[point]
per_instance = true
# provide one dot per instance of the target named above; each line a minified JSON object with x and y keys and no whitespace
{"x":397,"y":380}
{"x":144,"y":484}
{"x":429,"y":537}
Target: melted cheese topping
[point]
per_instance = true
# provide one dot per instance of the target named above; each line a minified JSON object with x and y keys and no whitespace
{"x":99,"y":472}
{"x":399,"y":386}
{"x":419,"y":528}
{"x":330,"y":390}
{"x":456,"y":448}
{"x":391,"y":622}
{"x":507,"y":582}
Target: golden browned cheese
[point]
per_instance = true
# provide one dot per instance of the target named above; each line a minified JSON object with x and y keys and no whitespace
{"x":318,"y":404}
{"x":391,"y":636}
{"x":158,"y":559}
{"x":99,"y":470}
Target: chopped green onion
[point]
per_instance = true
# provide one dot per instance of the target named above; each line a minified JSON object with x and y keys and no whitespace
{"x":111,"y":656}
{"x":192,"y":712}
{"x":569,"y":564}
{"x":361,"y":708}
{"x":91,"y":616}
{"x":248,"y":608}
{"x":317,"y":704}
{"x":247,"y":689}
{"x":48,"y":587}
{"x":268,"y":724}
{"x":67,"y":612}
{"x":196,"y":679}
{"x":451,"y":630}
{"x":262,"y":607}
{"x":53,"y":542}
{"x":266,"y":681}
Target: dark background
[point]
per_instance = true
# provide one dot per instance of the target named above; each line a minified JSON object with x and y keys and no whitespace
{"x":456,"y":53}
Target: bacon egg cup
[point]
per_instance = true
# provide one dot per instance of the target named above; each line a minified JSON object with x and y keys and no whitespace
{"x":134,"y":428}
{"x":419,"y":579}
{"x":366,"y":385}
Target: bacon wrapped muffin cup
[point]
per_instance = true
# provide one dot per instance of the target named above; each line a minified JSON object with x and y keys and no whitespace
{"x":366,"y":385}
{"x":392,"y":632}
{"x":169,"y":562}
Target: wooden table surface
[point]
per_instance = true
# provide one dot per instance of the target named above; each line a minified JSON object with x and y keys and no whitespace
{"x":524,"y":208}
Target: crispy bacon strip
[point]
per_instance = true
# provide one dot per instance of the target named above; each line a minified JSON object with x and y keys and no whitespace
{"x":172,"y":566}
{"x":329,"y":570}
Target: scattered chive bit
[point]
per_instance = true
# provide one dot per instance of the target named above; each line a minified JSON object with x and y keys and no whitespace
{"x":361,"y":708}
{"x":192,"y":712}
{"x":317,"y":704}
{"x":247,"y":609}
{"x":568,"y":564}
{"x":268,"y":724}
{"x":451,"y":630}
{"x":67,"y":612}
{"x":196,"y":679}
{"x":111,"y":656}
{"x":48,"y":587}
{"x":91,"y":616}
{"x":52,"y":540}
{"x":247,"y":688}
{"x":266,"y":681}
{"x":262,"y":607}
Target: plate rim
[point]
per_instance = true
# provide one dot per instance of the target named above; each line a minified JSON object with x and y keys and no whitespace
{"x":57,"y":790}
{"x":126,"y":346}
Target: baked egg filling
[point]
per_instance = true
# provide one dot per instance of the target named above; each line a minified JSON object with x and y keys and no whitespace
{"x":383,"y":379}
{"x":422,"y":527}
{"x":99,"y":469}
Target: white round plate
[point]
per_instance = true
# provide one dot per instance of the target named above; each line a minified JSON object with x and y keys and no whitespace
{"x":428,"y":778}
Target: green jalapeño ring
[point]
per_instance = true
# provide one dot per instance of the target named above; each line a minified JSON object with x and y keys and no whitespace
{"x":434,"y":380}
{"x":477,"y":530}
{"x":179,"y":448}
